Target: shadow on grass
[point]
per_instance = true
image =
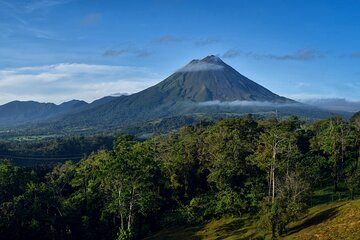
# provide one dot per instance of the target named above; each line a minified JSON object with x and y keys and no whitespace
{"x":235,"y":228}
{"x":177,"y":233}
{"x":314,"y":220}
{"x":324,"y":198}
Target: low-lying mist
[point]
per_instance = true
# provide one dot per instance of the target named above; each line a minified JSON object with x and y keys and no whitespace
{"x":238,"y":103}
{"x":334,"y":104}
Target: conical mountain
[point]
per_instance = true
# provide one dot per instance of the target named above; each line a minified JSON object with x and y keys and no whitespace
{"x":205,"y":80}
{"x":208,"y":79}
{"x":211,"y":79}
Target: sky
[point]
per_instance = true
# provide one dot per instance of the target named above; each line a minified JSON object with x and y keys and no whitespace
{"x":59,"y":50}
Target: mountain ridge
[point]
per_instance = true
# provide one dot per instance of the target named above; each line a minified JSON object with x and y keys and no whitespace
{"x":22,"y":112}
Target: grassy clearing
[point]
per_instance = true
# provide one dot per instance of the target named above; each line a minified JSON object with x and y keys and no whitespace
{"x":229,"y":228}
{"x":339,"y":220}
{"x":336,"y":220}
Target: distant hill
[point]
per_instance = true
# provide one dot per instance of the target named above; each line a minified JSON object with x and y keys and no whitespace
{"x":18,"y":112}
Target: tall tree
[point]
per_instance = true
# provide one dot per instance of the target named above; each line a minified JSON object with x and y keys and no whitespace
{"x":333,"y":138}
{"x":273,"y":143}
{"x":131,"y":180}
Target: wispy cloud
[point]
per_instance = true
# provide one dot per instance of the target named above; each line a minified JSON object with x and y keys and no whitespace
{"x":206,"y":41}
{"x":32,"y":5}
{"x":304,"y":54}
{"x":200,"y":66}
{"x":354,"y":85}
{"x":115,"y":53}
{"x":42,"y":4}
{"x":10,"y":11}
{"x":168,"y":38}
{"x":91,"y":19}
{"x":66,"y":81}
{"x":355,"y":55}
{"x":118,"y":52}
{"x":304,"y":96}
{"x":18,"y":17}
{"x":303,"y":84}
{"x":232,"y":53}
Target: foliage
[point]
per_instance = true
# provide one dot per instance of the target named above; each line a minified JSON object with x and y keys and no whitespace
{"x":269,"y":169}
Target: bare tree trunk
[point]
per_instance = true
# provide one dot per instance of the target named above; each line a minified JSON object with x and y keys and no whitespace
{"x":186,"y":186}
{"x":273,"y":174}
{"x":273,"y":186}
{"x":357,"y":163}
{"x":335,"y":172}
{"x":131,"y":208}
{"x":270,"y":179}
{"x":342,"y":146}
{"x":120,"y":209}
{"x":86,"y":193}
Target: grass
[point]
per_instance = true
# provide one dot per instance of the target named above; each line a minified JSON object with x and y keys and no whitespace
{"x":338,"y":220}
{"x":334,"y":220}
{"x":228,"y":228}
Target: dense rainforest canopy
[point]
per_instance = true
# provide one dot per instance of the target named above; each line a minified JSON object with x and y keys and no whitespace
{"x":267,"y":168}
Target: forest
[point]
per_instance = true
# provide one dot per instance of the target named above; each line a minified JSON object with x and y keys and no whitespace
{"x":49,"y":151}
{"x":269,"y":169}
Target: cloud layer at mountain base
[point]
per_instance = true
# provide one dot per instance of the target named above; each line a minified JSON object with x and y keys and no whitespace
{"x":334,"y":104}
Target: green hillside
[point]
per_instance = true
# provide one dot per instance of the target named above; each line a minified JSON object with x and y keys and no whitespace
{"x":336,"y":220}
{"x":339,"y":220}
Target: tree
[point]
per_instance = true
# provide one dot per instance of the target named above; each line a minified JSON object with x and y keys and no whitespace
{"x":289,"y":205}
{"x":278,"y":155}
{"x":86,"y":200}
{"x":224,"y":154}
{"x":130,"y":180}
{"x":273,"y":143}
{"x":333,"y":138}
{"x":178,"y":157}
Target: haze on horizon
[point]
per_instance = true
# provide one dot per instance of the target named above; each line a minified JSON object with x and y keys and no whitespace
{"x":58,"y":50}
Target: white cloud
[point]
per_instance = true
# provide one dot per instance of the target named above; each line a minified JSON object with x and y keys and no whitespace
{"x":66,"y":81}
{"x":306,"y":96}
{"x":245,"y":103}
{"x":303,"y":84}
{"x":17,"y":18}
{"x":334,"y":104}
{"x":42,"y":4}
{"x":200,"y":66}
{"x":91,"y":19}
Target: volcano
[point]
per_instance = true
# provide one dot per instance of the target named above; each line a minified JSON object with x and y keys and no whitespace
{"x":207,"y":87}
{"x":206,"y":80}
{"x":210,"y":79}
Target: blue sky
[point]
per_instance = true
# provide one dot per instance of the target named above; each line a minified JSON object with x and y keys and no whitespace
{"x":58,"y":50}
